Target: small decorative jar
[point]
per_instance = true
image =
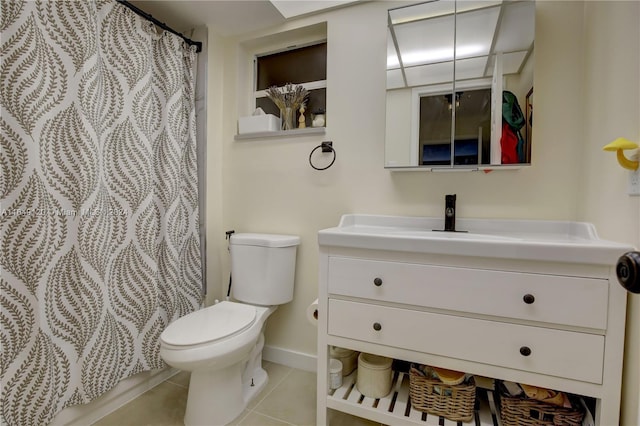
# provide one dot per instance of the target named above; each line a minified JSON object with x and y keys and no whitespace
{"x":317,"y":118}
{"x":374,"y":375}
{"x":335,"y":373}
{"x":347,"y":357}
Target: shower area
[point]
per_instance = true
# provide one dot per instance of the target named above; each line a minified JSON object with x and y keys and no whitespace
{"x":100,"y":229}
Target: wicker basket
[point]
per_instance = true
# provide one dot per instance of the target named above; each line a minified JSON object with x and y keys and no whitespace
{"x":523,"y":411}
{"x":455,"y":402}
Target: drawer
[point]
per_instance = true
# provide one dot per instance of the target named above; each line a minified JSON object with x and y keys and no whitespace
{"x":571,"y":301}
{"x":566,"y":354}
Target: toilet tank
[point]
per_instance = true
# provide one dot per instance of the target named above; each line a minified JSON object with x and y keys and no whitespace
{"x":263,"y":268}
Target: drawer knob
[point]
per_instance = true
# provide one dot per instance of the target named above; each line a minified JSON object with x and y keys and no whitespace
{"x":525,"y":351}
{"x":377,"y":326}
{"x":377,"y":282}
{"x":529,"y":299}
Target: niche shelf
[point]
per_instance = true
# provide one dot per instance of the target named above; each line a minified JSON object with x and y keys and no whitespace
{"x":281,"y":133}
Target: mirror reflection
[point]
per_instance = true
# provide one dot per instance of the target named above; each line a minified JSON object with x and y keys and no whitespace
{"x":459,"y":82}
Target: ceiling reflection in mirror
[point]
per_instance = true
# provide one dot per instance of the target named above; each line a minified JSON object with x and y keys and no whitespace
{"x":446,"y":47}
{"x":420,"y":48}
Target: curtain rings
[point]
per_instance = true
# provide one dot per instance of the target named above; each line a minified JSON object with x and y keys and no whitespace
{"x":326,"y":147}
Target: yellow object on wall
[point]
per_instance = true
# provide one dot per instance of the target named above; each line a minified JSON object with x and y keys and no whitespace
{"x":620,"y":145}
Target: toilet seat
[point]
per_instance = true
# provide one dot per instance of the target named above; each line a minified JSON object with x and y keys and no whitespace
{"x":209,"y":324}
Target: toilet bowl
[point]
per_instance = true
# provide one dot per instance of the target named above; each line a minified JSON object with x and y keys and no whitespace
{"x":221,"y":345}
{"x":227,"y":360}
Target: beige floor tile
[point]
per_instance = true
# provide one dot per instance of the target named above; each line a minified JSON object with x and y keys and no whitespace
{"x":255,"y":419}
{"x":276,"y":374}
{"x":293,"y":400}
{"x":238,"y":419}
{"x":164,"y":405}
{"x":338,"y":418}
{"x":181,"y":379}
{"x":288,"y":399}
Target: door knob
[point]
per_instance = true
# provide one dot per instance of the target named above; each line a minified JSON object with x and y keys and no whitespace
{"x":525,"y":351}
{"x":529,"y":299}
{"x":377,"y":326}
{"x":628,"y":271}
{"x":377,"y":282}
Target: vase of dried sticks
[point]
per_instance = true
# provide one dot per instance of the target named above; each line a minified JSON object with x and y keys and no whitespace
{"x":288,"y":99}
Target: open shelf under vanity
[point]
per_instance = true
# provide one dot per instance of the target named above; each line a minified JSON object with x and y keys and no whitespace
{"x":395,"y":408}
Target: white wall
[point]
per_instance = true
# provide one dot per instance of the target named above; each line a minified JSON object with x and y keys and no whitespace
{"x":268,"y":186}
{"x":215,"y":116}
{"x":612,"y":109}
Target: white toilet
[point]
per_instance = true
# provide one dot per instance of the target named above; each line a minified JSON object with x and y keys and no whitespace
{"x":222,"y":345}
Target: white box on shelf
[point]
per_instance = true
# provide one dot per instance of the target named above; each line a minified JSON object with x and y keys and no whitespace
{"x":258,"y":123}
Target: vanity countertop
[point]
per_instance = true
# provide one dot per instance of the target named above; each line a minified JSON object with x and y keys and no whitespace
{"x":556,"y":241}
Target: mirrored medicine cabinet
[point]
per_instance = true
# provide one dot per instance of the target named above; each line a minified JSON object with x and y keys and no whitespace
{"x":460,"y":85}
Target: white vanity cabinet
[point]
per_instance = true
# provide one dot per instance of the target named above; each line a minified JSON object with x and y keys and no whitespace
{"x":513,"y":309}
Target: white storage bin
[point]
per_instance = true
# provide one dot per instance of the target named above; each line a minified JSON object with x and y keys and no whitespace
{"x":258,"y":123}
{"x":374,"y":375}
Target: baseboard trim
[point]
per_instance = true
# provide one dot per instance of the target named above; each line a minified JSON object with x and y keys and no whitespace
{"x":290,"y":358}
{"x":126,"y":391}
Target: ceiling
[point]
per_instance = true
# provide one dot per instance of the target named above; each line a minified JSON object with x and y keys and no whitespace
{"x":229,"y":17}
{"x":225,"y":17}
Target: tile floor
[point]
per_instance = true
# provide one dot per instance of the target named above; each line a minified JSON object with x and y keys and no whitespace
{"x":288,"y":399}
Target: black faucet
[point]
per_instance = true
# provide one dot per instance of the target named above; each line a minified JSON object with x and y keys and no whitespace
{"x":450,"y":213}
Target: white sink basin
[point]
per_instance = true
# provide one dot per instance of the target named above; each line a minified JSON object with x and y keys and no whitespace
{"x":557,"y":241}
{"x":460,"y":235}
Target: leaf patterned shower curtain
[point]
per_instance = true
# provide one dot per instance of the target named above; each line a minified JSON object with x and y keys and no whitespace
{"x":99,"y":245}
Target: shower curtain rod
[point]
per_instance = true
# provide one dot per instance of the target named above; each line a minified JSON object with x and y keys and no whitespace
{"x":162,"y":25}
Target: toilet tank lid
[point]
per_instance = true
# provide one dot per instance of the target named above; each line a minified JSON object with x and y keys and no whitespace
{"x":265,"y":240}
